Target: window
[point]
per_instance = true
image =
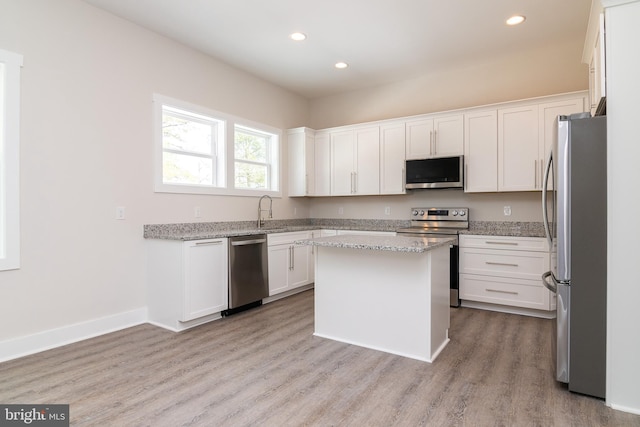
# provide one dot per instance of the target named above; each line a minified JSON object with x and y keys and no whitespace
{"x":10,"y":64}
{"x":189,"y":153}
{"x":208,"y":152}
{"x":253,"y":158}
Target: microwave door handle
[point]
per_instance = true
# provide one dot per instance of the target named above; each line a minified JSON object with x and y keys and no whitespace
{"x":545,"y":212}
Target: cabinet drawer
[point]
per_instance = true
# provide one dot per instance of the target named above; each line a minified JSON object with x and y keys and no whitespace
{"x":505,"y":291}
{"x":505,"y":243}
{"x":287,"y":238}
{"x":522,"y":265}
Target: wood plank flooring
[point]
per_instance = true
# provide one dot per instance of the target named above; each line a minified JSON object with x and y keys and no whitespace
{"x":263,"y":367}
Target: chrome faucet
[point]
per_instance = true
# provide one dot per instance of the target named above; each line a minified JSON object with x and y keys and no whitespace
{"x":260,"y":210}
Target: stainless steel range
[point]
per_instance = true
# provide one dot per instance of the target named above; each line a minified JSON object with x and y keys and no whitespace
{"x":443,"y":222}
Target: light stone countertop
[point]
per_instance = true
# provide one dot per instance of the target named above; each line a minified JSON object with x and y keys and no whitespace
{"x":380,"y":243}
{"x":216,"y":230}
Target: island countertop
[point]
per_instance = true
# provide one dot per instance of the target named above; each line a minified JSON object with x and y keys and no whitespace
{"x":380,"y":243}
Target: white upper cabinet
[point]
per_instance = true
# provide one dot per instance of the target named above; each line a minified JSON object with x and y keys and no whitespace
{"x":518,"y":160}
{"x":343,"y":161}
{"x":322,"y":164}
{"x":597,"y":68}
{"x":435,"y":137}
{"x":355,"y":161}
{"x":505,"y":147}
{"x":301,"y":149}
{"x":525,"y":135}
{"x":481,"y":151}
{"x":548,"y":113}
{"x":392,"y":157}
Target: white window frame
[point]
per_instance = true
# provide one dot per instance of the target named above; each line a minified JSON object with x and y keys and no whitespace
{"x":272,"y":153}
{"x":225,"y":152}
{"x":10,"y":160}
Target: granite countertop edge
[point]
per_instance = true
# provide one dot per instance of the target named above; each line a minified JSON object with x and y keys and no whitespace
{"x":216,"y":230}
{"x":378,"y":243}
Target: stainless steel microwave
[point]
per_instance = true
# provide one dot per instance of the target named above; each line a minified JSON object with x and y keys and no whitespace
{"x":438,"y":172}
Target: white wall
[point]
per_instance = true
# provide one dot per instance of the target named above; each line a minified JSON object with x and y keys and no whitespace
{"x":86,"y":147}
{"x":555,"y":69}
{"x":482,"y":207}
{"x":623,"y":316}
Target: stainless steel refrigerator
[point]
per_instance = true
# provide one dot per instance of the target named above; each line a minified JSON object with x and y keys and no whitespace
{"x":574,"y":200}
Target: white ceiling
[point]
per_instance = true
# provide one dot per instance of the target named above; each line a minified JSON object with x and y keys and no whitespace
{"x":382,"y":40}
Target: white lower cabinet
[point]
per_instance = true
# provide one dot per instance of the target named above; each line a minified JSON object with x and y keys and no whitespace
{"x":290,"y":265}
{"x":188,"y":282}
{"x":505,"y":271}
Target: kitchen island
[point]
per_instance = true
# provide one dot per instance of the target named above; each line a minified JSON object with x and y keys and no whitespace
{"x":387,"y":293}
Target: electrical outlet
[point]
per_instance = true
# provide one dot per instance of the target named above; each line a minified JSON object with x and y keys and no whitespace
{"x":197,"y":212}
{"x":120,"y":212}
{"x":340,"y":210}
{"x":387,"y":210}
{"x":507,"y":211}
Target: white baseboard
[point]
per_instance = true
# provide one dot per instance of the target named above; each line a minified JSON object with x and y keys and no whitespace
{"x":622,"y":408}
{"x":41,"y":341}
{"x":509,"y":309}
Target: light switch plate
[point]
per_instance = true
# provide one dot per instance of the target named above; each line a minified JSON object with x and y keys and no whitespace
{"x":507,"y":211}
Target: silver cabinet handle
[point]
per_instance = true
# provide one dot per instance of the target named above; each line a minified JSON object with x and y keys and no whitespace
{"x":248,"y":242}
{"x":435,"y":142}
{"x":501,"y":263}
{"x":355,"y":183}
{"x":293,"y":257}
{"x":217,"y":242}
{"x":535,"y":173}
{"x":502,"y":243}
{"x":431,"y":143}
{"x":541,"y":172}
{"x":501,"y":292}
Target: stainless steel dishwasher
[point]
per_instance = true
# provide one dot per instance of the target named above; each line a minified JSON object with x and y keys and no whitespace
{"x":248,"y":272}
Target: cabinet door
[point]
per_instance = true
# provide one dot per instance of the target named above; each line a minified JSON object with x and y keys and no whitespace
{"x":518,"y":159}
{"x":322,"y":164}
{"x":419,"y":139}
{"x":548,"y":112}
{"x":597,"y":69}
{"x":205,"y":278}
{"x":448,"y":136}
{"x":298,"y":266}
{"x":392,"y":157}
{"x":278,"y":268}
{"x":301,"y":162}
{"x":367,"y":171}
{"x":342,"y":163}
{"x":481,"y":151}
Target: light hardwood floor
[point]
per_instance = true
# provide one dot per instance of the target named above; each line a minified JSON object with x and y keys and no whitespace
{"x":263,"y":367}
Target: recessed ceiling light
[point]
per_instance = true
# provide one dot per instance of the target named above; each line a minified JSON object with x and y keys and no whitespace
{"x":515,"y":20}
{"x":298,"y":36}
{"x":341,"y":65}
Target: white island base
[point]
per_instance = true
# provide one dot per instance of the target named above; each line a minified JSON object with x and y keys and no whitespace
{"x":397,"y":302}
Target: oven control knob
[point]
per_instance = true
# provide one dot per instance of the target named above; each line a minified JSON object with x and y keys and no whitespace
{"x":455,"y":213}
{"x":421,"y":213}
{"x":415,"y":212}
{"x":462,"y":213}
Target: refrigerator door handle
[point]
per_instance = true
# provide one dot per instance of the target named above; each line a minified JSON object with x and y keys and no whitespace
{"x":551,"y":286}
{"x":545,"y":213}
